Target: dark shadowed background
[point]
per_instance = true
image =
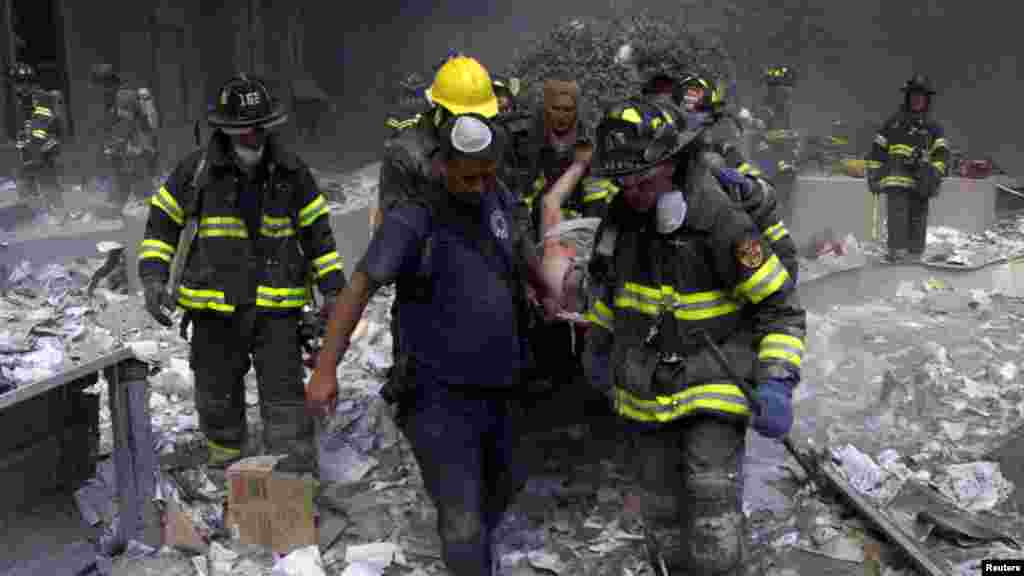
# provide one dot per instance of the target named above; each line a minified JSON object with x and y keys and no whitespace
{"x":855,"y":56}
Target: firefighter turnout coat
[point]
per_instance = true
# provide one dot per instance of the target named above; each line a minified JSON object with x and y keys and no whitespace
{"x":909,"y":153}
{"x":652,"y":293}
{"x":226,"y":268}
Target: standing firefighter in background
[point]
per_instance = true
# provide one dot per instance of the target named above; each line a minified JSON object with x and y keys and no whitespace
{"x":411,"y":104}
{"x":677,"y":269}
{"x":263,"y":232}
{"x":39,"y":141}
{"x":907,"y":163}
{"x":130,"y":148}
{"x":460,"y":266}
{"x":778,"y":149}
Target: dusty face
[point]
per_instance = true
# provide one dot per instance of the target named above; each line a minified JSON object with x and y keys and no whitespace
{"x":642,"y":190}
{"x":560,"y":106}
{"x":918,"y":102}
{"x":469,"y":178}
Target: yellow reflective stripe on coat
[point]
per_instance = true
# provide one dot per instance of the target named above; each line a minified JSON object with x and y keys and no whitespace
{"x":901,"y":150}
{"x":717,"y":397}
{"x":40,"y":133}
{"x":280,"y":297}
{"x":312,"y":211}
{"x":601,"y":315}
{"x":601,"y":189}
{"x":898,"y":182}
{"x":156,"y":249}
{"x":203,"y":300}
{"x":42,"y":111}
{"x":222,"y":227}
{"x":872,"y":164}
{"x":165,"y":202}
{"x":685,"y":307}
{"x":782,"y":347}
{"x":274,"y":227}
{"x":745,"y":168}
{"x":327,"y":263}
{"x":769,"y":279}
{"x":940,"y":166}
{"x":838,"y":141}
{"x":939,"y":143}
{"x":776,"y":231}
{"x":881,"y":141}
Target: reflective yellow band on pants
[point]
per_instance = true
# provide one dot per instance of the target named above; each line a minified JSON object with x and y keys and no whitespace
{"x":279,"y":298}
{"x":776,"y":232}
{"x":783,"y":347}
{"x":203,"y":300}
{"x":222,"y":227}
{"x":327,"y":263}
{"x":601,"y":315}
{"x":156,"y":250}
{"x":166,"y":203}
{"x":42,"y":111}
{"x":273,"y":227}
{"x":715,"y":397}
{"x":769,"y":279}
{"x":41,"y":134}
{"x":939,"y":143}
{"x":313,"y":211}
{"x":689,"y":306}
{"x":898,"y":182}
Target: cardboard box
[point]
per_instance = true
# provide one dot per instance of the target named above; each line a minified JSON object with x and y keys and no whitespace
{"x":268,"y":508}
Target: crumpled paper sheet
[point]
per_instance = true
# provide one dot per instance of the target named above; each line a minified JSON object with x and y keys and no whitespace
{"x":859,"y":468}
{"x":302,"y":562}
{"x":975,"y":486}
{"x":370,"y":559}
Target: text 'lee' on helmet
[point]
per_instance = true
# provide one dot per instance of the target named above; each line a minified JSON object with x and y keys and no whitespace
{"x":21,"y":73}
{"x":463,"y":86}
{"x":244,"y":103}
{"x":635,"y":135}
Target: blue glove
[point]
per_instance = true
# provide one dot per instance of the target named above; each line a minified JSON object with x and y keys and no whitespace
{"x":730,"y":178}
{"x":775,"y":397}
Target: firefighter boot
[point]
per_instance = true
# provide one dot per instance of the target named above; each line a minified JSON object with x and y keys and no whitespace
{"x":223,"y":424}
{"x":288,"y":430}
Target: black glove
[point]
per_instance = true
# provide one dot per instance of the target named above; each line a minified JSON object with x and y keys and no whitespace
{"x":159,"y":303}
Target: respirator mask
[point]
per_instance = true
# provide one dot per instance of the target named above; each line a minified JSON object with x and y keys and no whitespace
{"x":670,"y":212}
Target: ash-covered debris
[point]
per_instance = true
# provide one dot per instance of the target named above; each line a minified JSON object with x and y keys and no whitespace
{"x":609,"y":57}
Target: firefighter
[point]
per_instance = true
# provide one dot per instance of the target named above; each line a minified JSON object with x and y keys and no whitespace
{"x":130,"y":148}
{"x":778,"y":147}
{"x":39,"y":141}
{"x":675,"y":258}
{"x":907,"y":163}
{"x":462,"y":308}
{"x":263,"y":233}
{"x":704,"y":107}
{"x":461,"y":85}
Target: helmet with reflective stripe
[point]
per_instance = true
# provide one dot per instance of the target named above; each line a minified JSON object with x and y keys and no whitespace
{"x":463,"y":86}
{"x":243,"y":103}
{"x":636,"y":134}
{"x":779,"y":76}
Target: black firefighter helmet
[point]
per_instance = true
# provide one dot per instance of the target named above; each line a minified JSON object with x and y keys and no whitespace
{"x":919,"y":83}
{"x":245,"y":102}
{"x":779,"y":76}
{"x":638,"y":134}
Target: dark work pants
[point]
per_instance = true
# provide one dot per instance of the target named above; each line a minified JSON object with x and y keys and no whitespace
{"x":694,"y":468}
{"x":784,"y":185}
{"x":39,"y":184}
{"x":223,"y":349}
{"x":907,"y":214}
{"x":465,"y":445}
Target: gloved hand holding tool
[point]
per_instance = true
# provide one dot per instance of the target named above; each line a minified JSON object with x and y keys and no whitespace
{"x":771,"y":403}
{"x":158,"y":302}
